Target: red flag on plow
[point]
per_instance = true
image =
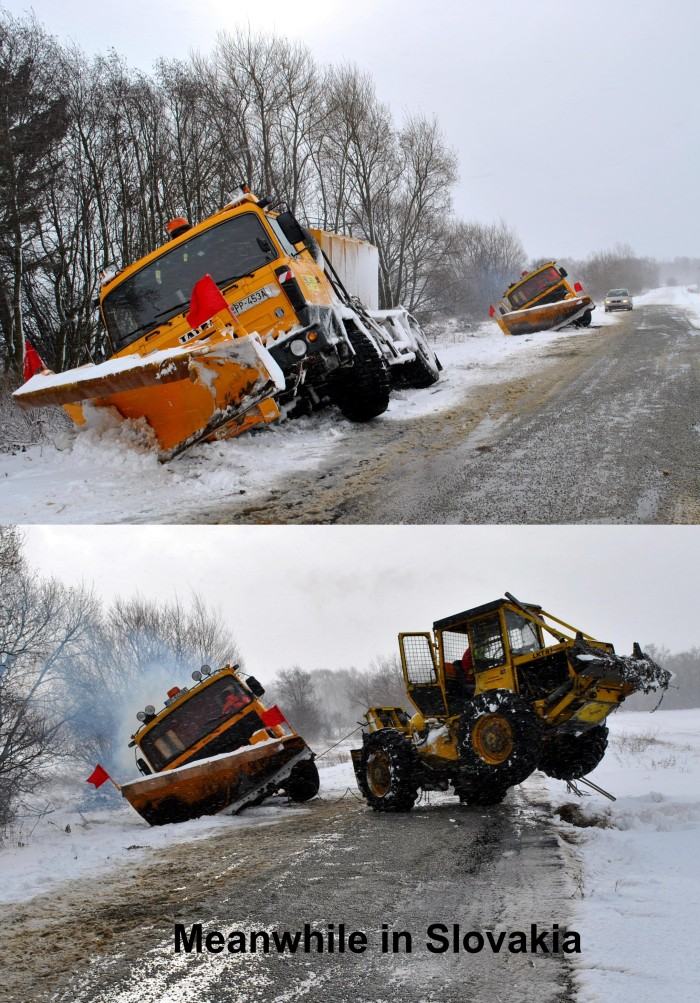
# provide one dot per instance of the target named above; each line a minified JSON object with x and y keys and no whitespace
{"x":98,"y":776}
{"x":272,"y":717}
{"x":207,"y":300}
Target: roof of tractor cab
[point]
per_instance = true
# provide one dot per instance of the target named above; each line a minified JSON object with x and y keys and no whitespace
{"x":457,"y":619}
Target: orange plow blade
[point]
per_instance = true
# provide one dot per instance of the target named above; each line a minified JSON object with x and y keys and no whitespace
{"x":186,"y":394}
{"x":227,"y":782}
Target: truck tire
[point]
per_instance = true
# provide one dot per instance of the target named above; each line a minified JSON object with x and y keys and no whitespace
{"x":388,"y":771}
{"x":585,"y":319}
{"x":424,"y":371}
{"x":361,"y":391}
{"x":500,"y":739}
{"x":303,"y":782}
{"x":570,"y":757}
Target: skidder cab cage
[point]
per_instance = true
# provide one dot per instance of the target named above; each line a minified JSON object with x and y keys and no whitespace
{"x":498,"y":690}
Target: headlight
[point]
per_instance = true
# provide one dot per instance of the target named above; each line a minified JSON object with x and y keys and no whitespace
{"x":141,"y":716}
{"x":298,"y":348}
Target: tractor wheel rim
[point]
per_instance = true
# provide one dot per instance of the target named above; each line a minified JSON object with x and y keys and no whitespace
{"x":379,"y":773}
{"x":492,"y":739}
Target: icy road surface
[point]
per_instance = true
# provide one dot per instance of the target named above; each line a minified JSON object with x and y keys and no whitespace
{"x":604,"y":428}
{"x":500,"y":869}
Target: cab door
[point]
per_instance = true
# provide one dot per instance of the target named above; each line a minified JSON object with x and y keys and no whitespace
{"x":420,"y":672}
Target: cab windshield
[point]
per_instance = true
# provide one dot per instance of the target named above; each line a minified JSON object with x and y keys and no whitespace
{"x":523,"y":636}
{"x":162,"y":289}
{"x":186,"y":725}
{"x":533,"y":286}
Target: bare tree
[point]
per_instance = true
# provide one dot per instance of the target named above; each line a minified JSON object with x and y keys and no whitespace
{"x":43,"y":627}
{"x":296,"y":691}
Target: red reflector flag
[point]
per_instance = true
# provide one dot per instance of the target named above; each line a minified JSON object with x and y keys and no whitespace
{"x":272,"y":717}
{"x":492,"y":311}
{"x":578,"y":287}
{"x":33,"y":362}
{"x":207,"y":300}
{"x":98,"y":776}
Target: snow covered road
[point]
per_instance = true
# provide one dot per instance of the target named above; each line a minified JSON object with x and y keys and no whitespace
{"x":109,"y":472}
{"x":624,"y":875}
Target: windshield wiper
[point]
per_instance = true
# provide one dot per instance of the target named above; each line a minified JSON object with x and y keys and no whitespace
{"x":235,"y":278}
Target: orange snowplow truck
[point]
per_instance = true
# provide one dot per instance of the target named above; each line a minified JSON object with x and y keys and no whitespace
{"x":284,"y":333}
{"x":542,"y":300}
{"x":215,"y":747}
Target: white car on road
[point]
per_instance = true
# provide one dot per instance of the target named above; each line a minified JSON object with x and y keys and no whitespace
{"x":617,"y":299}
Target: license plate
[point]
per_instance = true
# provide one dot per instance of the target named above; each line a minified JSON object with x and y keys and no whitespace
{"x":259,"y":296}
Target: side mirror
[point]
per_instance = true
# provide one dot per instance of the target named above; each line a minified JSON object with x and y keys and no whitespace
{"x":563,"y":272}
{"x":290,"y":227}
{"x":256,"y":688}
{"x":143,"y":766}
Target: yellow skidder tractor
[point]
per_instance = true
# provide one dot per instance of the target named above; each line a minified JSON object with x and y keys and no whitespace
{"x":499,"y":691}
{"x":237,"y":318}
{"x":215,"y":747}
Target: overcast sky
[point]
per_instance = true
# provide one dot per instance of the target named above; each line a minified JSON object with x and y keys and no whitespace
{"x":338,"y":596}
{"x":576,"y":123}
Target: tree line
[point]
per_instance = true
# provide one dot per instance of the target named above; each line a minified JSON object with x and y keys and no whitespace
{"x":96,"y":156}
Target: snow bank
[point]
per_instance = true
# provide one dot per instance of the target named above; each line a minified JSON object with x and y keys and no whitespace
{"x":85,"y":833}
{"x":640,"y":900}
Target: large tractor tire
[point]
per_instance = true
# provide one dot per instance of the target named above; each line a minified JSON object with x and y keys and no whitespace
{"x":361,"y":391}
{"x":388,"y":771}
{"x":303,"y":782}
{"x":500,"y":739}
{"x":570,"y":757}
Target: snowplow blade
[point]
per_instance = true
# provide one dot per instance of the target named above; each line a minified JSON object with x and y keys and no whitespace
{"x":185,"y":394}
{"x":548,"y":317}
{"x":225,"y":783}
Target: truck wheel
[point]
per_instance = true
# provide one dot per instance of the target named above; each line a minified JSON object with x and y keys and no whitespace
{"x":388,"y":771}
{"x":585,"y":319}
{"x":361,"y":391}
{"x":480,"y":794}
{"x":303,"y":782}
{"x":500,"y":739}
{"x":570,"y":757}
{"x":424,"y":371}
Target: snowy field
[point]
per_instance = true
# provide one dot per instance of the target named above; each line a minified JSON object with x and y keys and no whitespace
{"x":109,"y":472}
{"x":640,"y":884}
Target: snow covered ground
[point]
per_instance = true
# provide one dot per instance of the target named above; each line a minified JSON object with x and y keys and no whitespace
{"x":640,"y":885}
{"x":637,"y":864}
{"x":83,"y":832}
{"x":109,"y":472}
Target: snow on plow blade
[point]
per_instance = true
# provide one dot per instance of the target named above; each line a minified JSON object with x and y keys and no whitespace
{"x":227,"y":782}
{"x":548,"y":317}
{"x":637,"y":672}
{"x":185,"y":394}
